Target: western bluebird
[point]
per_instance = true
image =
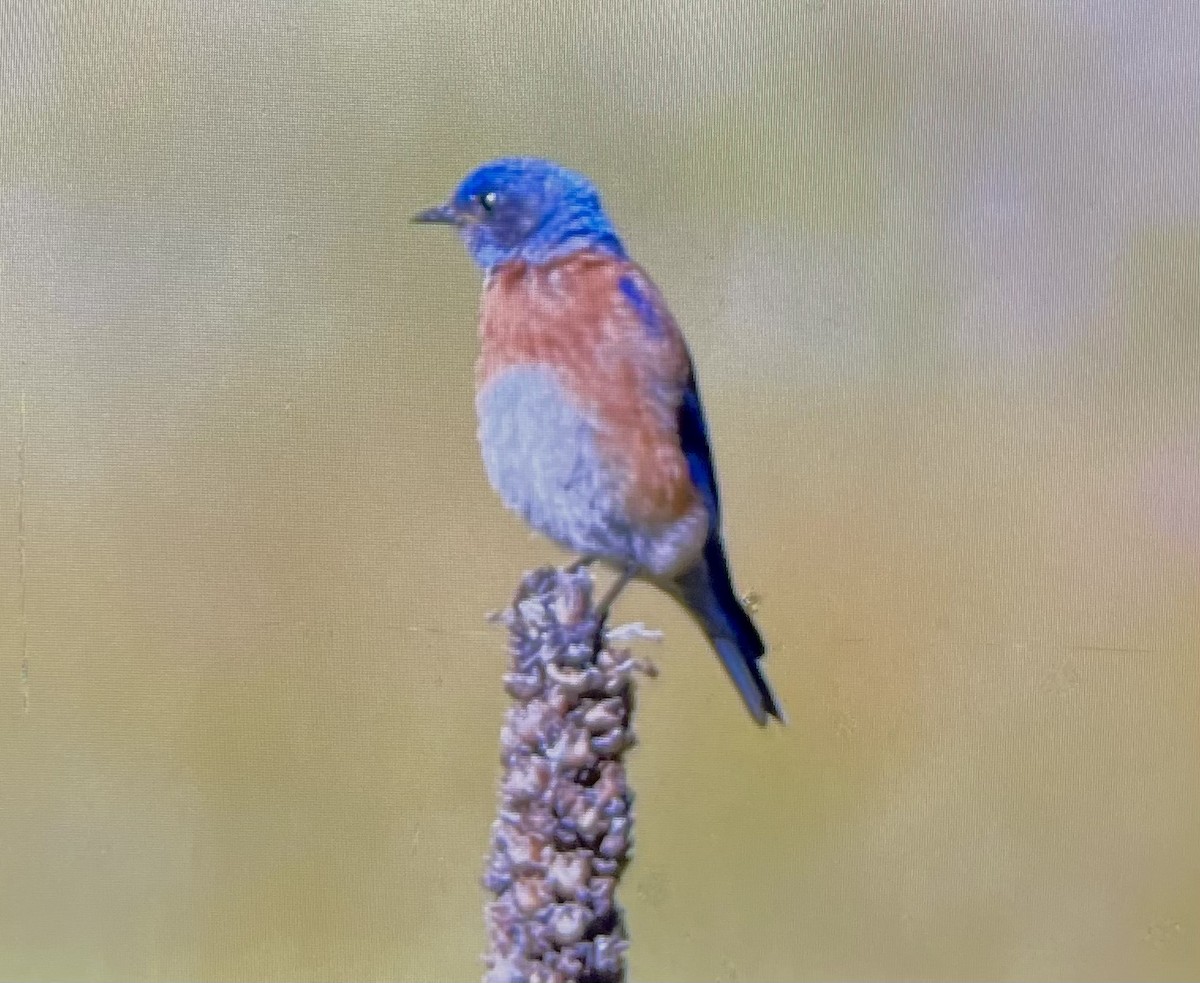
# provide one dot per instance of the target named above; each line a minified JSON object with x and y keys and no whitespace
{"x":590,"y":420}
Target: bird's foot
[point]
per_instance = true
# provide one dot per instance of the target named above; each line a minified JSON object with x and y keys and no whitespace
{"x":606,"y":603}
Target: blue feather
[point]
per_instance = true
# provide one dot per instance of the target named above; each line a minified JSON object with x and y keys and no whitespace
{"x":693,"y":440}
{"x":707,"y":588}
{"x":643,"y":305}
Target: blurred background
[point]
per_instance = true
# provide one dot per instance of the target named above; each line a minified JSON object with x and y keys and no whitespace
{"x":937,"y":263}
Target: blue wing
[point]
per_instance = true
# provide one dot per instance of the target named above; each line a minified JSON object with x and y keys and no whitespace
{"x":707,"y":589}
{"x":693,"y":439}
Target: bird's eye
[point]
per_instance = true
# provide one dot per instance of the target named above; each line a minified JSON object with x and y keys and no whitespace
{"x":487,"y":200}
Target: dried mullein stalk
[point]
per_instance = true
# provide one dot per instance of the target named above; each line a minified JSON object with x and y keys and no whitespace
{"x":563,"y":833}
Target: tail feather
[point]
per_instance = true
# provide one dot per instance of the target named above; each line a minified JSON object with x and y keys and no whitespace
{"x":707,"y":592}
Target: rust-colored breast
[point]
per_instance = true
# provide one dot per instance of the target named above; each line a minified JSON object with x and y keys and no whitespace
{"x":603,"y":326}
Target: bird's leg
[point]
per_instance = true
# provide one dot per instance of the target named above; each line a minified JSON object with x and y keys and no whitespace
{"x":584,"y":560}
{"x":606,"y":602}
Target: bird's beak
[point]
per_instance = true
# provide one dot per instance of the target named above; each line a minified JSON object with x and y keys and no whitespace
{"x":439,"y":214}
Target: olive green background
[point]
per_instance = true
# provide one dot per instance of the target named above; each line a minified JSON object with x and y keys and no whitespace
{"x":938,"y":267}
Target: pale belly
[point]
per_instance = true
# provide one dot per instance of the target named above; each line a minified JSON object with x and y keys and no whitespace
{"x":542,"y":458}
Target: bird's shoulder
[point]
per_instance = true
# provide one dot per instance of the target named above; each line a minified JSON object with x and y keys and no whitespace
{"x":588,"y":309}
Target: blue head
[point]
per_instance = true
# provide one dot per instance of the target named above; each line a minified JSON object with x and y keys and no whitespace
{"x":526,"y":208}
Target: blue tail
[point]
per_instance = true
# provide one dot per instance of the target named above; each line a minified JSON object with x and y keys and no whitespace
{"x":707,"y":592}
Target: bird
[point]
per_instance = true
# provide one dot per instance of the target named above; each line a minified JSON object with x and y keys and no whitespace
{"x":590,"y":421}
